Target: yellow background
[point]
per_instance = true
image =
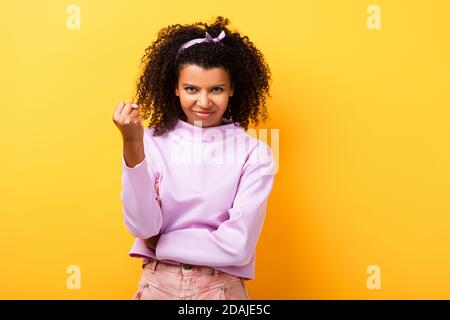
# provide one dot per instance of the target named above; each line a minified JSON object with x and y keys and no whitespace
{"x":363,"y":117}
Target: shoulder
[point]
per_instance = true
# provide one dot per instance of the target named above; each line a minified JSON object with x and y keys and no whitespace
{"x":259,"y":152}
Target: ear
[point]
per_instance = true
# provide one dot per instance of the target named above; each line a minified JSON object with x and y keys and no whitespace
{"x":232,"y":90}
{"x":176,"y":91}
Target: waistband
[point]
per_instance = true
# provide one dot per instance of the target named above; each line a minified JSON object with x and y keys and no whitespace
{"x":182,"y":268}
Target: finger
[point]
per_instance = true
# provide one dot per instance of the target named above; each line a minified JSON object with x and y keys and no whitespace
{"x":133,"y":114}
{"x":133,"y":111}
{"x":136,"y":120}
{"x":134,"y":106}
{"x":125,"y":111}
{"x":118,"y":110}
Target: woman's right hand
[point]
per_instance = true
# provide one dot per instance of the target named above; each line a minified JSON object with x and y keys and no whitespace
{"x":127,"y":118}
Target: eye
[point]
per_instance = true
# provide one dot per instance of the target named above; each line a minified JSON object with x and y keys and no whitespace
{"x":188,"y":88}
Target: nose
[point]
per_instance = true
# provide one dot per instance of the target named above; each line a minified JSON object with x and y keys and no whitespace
{"x":203,"y":100}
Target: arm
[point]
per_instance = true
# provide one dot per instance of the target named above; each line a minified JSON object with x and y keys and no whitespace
{"x":141,"y":211}
{"x":153,"y":241}
{"x":234,"y":241}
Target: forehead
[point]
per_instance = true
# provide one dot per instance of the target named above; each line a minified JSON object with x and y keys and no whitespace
{"x":198,"y":76}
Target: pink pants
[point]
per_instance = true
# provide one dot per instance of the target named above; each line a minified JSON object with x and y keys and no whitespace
{"x":166,"y":281}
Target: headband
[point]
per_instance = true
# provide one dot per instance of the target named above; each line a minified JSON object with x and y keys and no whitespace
{"x":207,"y":38}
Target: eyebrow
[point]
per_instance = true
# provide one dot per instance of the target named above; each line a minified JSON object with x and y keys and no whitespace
{"x":218,"y":85}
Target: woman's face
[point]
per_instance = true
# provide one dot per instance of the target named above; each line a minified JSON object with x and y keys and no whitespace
{"x":204,"y":94}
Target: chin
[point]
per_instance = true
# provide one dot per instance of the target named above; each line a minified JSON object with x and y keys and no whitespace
{"x":203,"y":123}
{"x":207,"y":123}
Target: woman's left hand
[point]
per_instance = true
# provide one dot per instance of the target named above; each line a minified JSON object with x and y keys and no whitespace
{"x":153,"y":241}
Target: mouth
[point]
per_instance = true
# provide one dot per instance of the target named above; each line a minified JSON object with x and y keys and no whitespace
{"x":203,"y":115}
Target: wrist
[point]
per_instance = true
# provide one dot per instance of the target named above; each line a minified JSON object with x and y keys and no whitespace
{"x":133,"y":152}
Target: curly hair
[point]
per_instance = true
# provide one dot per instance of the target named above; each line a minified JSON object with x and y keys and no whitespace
{"x":249,"y":74}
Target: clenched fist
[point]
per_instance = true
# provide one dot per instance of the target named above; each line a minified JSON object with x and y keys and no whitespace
{"x":127,"y":118}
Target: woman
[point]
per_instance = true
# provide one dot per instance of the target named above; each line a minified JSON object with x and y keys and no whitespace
{"x":195,"y":184}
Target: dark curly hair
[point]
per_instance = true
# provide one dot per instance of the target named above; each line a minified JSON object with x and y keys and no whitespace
{"x":249,"y":73}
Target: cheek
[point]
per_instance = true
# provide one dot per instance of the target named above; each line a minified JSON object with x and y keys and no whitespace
{"x":187,"y":99}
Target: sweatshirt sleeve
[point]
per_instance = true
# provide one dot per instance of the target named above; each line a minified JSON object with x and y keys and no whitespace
{"x":141,"y":211}
{"x":234,"y":241}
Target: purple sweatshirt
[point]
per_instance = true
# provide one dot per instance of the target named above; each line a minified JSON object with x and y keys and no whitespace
{"x":214,"y":184}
